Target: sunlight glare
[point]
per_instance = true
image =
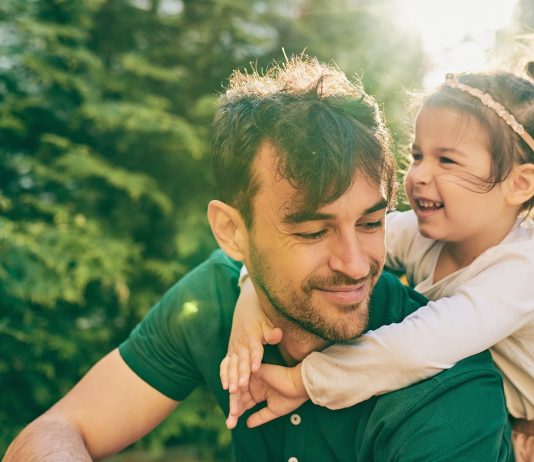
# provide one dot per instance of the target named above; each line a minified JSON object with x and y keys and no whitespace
{"x":455,"y":33}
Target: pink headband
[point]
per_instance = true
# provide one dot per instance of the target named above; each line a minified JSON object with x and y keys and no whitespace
{"x":487,"y":100}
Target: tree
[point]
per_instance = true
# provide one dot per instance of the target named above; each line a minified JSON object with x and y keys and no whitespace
{"x":93,"y":156}
{"x":104,"y":127}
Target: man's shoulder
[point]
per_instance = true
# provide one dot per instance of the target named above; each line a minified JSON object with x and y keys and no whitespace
{"x":217,"y":268}
{"x":462,"y":381}
{"x":214,"y":281}
{"x":460,"y":409}
{"x":392,"y":301}
{"x":178,"y":344}
{"x":206,"y":293}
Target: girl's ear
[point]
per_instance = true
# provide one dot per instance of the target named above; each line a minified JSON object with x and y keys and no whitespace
{"x":228,"y":228}
{"x":520,"y":184}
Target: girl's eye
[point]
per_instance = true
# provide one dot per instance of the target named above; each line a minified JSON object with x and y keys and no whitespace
{"x":416,"y":156}
{"x":446,"y":160}
{"x":311,"y":236}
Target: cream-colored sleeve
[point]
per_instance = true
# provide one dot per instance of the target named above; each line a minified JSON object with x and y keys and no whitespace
{"x":486,"y":309}
{"x":243,"y":275}
{"x":401,"y":230}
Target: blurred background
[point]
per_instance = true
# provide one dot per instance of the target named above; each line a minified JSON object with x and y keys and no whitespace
{"x":105,"y":110}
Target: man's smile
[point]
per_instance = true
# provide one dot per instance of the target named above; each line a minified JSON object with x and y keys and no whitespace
{"x":346,"y":295}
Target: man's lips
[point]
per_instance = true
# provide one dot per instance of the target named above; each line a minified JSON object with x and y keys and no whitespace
{"x":345,"y":295}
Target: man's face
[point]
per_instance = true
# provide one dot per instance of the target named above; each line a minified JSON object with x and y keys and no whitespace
{"x":317,"y":268}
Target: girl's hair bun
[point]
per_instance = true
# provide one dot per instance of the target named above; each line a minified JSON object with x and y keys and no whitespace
{"x":529,"y":68}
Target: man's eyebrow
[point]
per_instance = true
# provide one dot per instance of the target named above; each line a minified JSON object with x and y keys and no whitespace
{"x":380,"y":205}
{"x":312,"y":215}
{"x":306,"y":215}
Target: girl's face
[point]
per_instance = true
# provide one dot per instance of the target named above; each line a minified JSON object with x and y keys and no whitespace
{"x":445,"y":182}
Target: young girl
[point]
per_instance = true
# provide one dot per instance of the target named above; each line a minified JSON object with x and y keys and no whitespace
{"x":467,"y":243}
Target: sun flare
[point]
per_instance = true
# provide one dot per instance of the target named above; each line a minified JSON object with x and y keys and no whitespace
{"x":456,"y":34}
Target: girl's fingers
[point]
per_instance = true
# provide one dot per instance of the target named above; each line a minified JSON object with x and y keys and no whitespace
{"x":233,"y":373}
{"x":233,"y":413}
{"x":256,"y":355}
{"x":239,"y":403}
{"x":260,"y":417}
{"x":244,"y":367}
{"x":223,"y":372}
{"x":231,"y":422}
{"x":272,"y":335}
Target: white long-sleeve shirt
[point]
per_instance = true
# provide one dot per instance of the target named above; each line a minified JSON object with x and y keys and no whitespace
{"x":489,"y":303}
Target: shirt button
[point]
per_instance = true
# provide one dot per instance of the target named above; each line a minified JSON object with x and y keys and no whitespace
{"x":292,"y":459}
{"x":295,"y":420}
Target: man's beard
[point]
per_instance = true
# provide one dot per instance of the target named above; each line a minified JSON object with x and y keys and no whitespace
{"x":299,"y":307}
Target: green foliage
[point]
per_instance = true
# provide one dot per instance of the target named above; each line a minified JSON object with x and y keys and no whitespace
{"x":105,"y":107}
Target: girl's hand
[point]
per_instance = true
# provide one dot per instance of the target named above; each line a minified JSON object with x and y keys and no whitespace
{"x":281,"y":387}
{"x":251,"y":329}
{"x":523,"y":447}
{"x":523,"y":440}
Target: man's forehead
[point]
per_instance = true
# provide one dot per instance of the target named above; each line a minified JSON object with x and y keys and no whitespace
{"x":266,"y":164}
{"x":269,"y":177}
{"x":293,"y":204}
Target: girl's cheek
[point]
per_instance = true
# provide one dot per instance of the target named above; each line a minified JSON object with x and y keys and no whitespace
{"x":408,"y":183}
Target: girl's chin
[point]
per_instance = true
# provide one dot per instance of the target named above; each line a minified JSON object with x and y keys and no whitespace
{"x":430,"y":232}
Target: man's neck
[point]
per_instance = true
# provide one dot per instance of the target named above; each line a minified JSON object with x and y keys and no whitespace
{"x":296,"y":343}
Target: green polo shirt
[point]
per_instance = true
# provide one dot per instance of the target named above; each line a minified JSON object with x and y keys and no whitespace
{"x":458,"y":415}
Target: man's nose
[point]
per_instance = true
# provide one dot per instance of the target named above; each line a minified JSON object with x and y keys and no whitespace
{"x":348,"y":257}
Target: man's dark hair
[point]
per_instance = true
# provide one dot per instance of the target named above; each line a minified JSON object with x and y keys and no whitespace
{"x":323,"y":127}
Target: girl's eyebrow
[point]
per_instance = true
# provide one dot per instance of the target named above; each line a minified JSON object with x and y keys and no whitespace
{"x":446,"y":149}
{"x":441,"y":149}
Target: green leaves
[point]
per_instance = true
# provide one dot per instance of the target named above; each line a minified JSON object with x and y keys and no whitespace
{"x":49,"y":263}
{"x":91,"y":135}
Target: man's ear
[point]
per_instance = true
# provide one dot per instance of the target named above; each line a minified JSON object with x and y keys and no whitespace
{"x":520,"y":184}
{"x":228,"y":228}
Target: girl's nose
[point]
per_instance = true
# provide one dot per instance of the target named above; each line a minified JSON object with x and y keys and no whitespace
{"x":420,"y":173}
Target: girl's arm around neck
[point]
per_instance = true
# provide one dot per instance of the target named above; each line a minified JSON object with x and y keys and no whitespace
{"x":486,"y":309}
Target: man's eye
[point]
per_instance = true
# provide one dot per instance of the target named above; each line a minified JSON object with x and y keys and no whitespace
{"x":372,"y":225}
{"x":311,"y":236}
{"x":446,"y":160}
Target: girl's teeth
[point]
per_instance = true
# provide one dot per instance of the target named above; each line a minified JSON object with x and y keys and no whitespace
{"x":427,"y":204}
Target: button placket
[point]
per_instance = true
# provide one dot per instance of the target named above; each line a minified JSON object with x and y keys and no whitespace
{"x":296,"y":434}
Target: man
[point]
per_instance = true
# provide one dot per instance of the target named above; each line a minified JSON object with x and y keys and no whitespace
{"x":305,"y":176}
